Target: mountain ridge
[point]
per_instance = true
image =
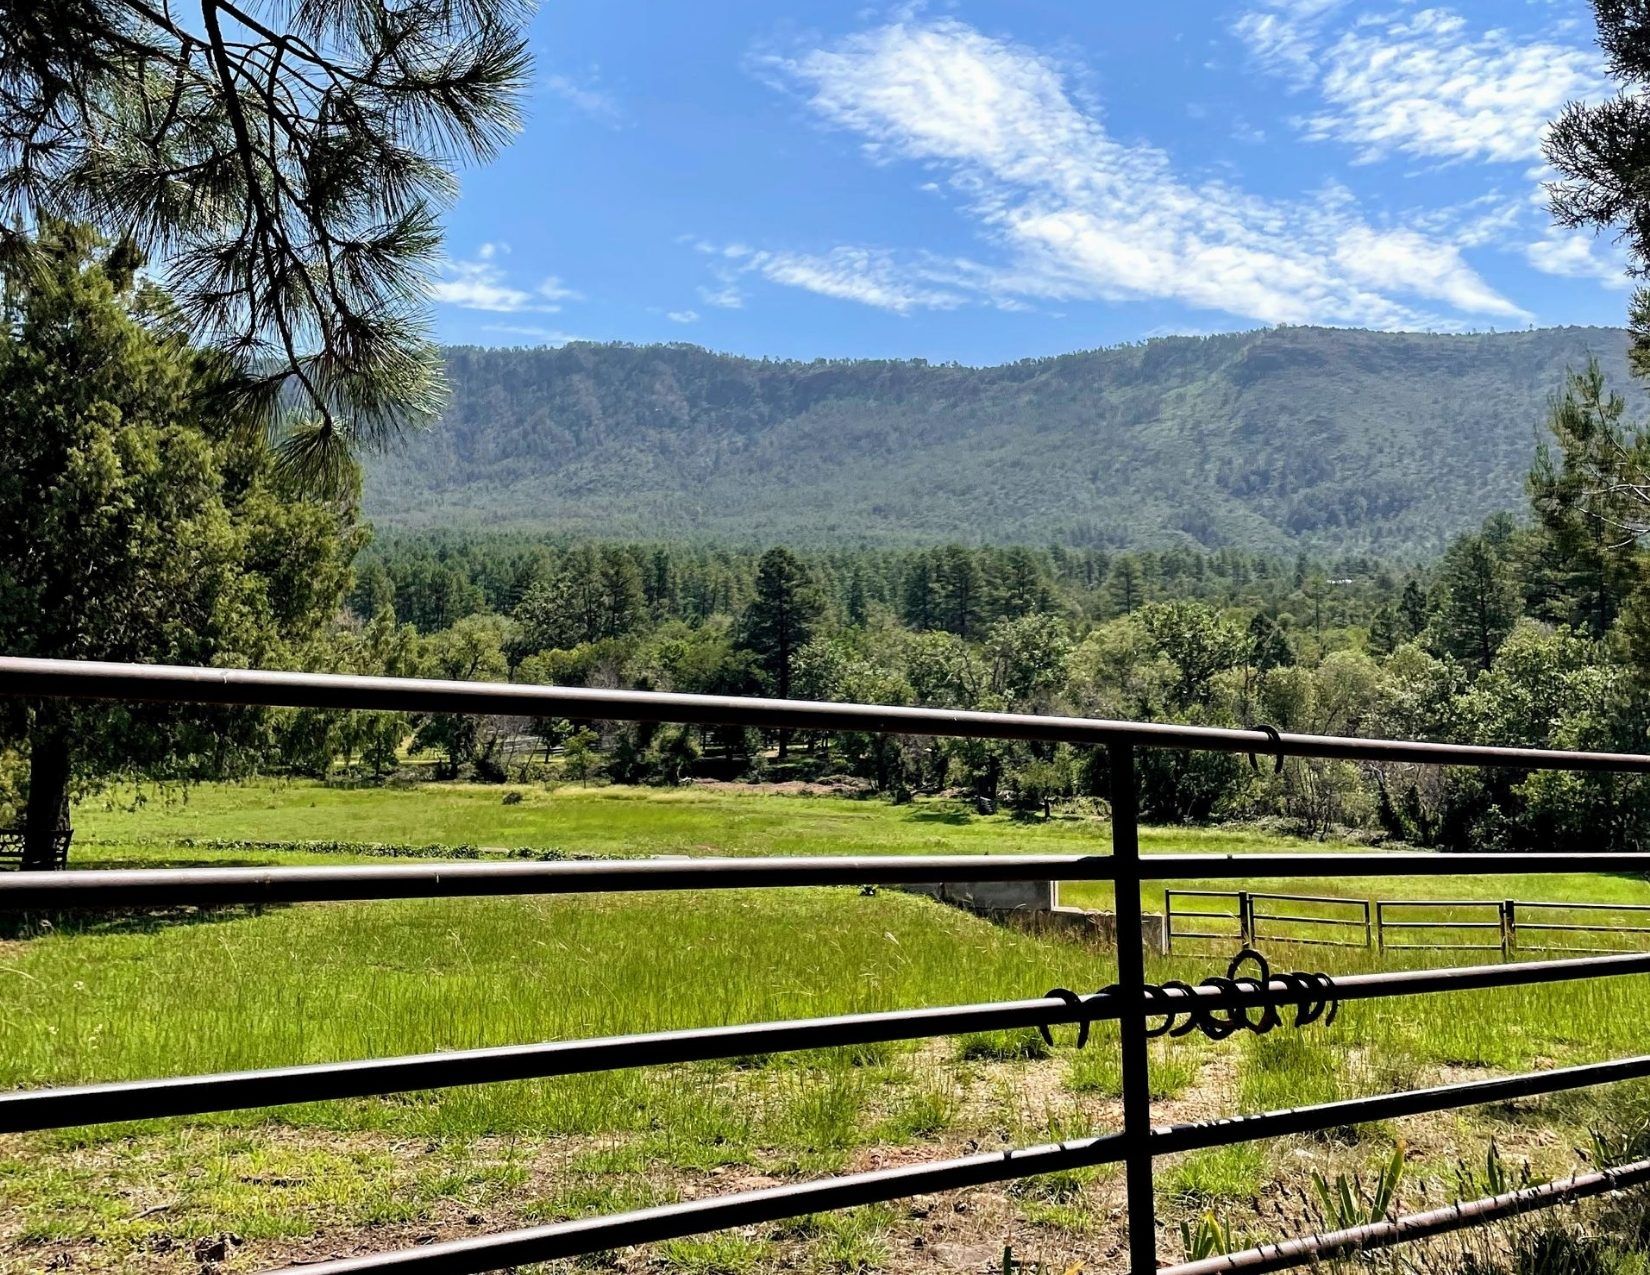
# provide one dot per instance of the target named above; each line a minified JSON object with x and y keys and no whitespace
{"x":1275,"y":439}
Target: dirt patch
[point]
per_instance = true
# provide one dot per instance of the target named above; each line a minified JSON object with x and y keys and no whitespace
{"x":221,"y":1200}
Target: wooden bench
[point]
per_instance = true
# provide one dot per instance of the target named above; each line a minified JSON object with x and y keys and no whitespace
{"x":11,"y":848}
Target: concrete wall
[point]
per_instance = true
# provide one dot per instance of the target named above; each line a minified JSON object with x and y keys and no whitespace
{"x":993,"y":896}
{"x":1035,"y":905}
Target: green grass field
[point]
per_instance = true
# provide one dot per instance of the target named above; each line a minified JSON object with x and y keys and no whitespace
{"x":131,"y":997}
{"x":121,"y":829}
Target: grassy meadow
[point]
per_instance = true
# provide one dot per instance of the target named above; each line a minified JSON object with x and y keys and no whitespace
{"x":128,"y":997}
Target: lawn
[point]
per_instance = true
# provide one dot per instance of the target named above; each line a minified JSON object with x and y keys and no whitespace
{"x":154,"y":996}
{"x":715,"y":820}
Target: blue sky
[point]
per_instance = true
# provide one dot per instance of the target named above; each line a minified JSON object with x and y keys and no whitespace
{"x":990,"y":181}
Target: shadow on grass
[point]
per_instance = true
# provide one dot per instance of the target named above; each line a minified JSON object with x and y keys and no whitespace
{"x":22,"y":926}
{"x":956,"y":818}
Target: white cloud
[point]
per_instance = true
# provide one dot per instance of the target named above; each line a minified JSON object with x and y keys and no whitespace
{"x":725,"y":295}
{"x":1280,"y":37}
{"x":1424,"y":84}
{"x":480,"y":284}
{"x":1079,"y":214}
{"x":544,"y":336}
{"x":682,"y":316}
{"x":585,"y":96}
{"x":553,"y":289}
{"x":870,"y":276}
{"x":1577,"y":256}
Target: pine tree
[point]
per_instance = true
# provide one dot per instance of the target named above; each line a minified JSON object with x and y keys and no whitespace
{"x":960,"y":586}
{"x":1126,"y":585}
{"x":1412,"y":611}
{"x":137,"y":523}
{"x":1593,"y":498}
{"x":1479,"y":602}
{"x":779,"y":621}
{"x":1602,"y":149}
{"x":285,"y":170}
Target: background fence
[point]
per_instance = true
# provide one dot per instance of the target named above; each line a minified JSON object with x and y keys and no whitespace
{"x":1250,"y":1002}
{"x":1506,"y":926}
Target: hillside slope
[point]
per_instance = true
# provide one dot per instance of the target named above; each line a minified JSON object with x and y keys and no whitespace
{"x":1291,"y":437}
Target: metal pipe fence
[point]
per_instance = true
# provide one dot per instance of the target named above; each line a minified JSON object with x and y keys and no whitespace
{"x":1141,"y":1009}
{"x":1381,"y":919}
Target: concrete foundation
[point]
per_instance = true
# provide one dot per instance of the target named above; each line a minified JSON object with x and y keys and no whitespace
{"x":993,"y":896}
{"x":1033,"y":905}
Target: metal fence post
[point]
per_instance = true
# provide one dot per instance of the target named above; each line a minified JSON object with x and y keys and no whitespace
{"x":1380,"y":925}
{"x":1131,"y":979}
{"x":1369,"y":938}
{"x":1246,"y":918}
{"x":1509,"y":927}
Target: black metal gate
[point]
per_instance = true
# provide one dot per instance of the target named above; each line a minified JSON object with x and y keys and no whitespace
{"x":1141,"y":1009}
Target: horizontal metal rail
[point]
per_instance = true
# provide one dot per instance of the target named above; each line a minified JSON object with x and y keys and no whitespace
{"x":1310,"y":1249}
{"x":1136,"y":1145}
{"x":160,"y":887}
{"x":81,"y":679}
{"x":1443,"y":925}
{"x":1397,"y":863}
{"x":562,"y":1240}
{"x":1305,"y":920}
{"x":1584,"y":907}
{"x":68,"y":1106}
{"x":1587,"y":929}
{"x":205,"y":887}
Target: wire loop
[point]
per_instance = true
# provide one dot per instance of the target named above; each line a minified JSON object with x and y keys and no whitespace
{"x":1183,"y":1011}
{"x":1271,"y":732}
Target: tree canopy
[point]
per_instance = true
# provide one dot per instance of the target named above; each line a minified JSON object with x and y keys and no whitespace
{"x":137,"y":522}
{"x":284,"y":163}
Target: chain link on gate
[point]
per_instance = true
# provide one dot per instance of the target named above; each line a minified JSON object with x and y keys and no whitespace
{"x":1312,"y":994}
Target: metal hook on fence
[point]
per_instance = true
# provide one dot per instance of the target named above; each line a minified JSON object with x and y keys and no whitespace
{"x":1271,"y":732}
{"x":1313,"y":995}
{"x":1076,"y":1002}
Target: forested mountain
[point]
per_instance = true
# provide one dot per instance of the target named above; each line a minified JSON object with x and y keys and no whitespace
{"x":1276,"y":440}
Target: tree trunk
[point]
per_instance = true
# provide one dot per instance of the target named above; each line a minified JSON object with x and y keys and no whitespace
{"x":46,"y":815}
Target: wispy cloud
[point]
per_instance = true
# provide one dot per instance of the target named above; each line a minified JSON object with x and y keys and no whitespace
{"x":682,"y":316}
{"x":1578,"y":256}
{"x":1425,"y":84}
{"x":725,"y":294}
{"x":1077,"y":214}
{"x":1282,"y":36}
{"x":480,"y":284}
{"x":553,"y":289}
{"x":542,"y":336}
{"x":870,"y":276}
{"x":585,"y":95}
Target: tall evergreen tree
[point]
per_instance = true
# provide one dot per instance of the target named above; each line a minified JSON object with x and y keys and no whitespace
{"x":137,"y":523}
{"x":1593,"y":497}
{"x":779,"y":621}
{"x":1602,"y":150}
{"x":1479,"y":602}
{"x":960,"y":586}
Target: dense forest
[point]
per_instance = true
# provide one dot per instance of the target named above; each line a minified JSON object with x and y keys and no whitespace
{"x":1531,"y":631}
{"x":1273,"y":441}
